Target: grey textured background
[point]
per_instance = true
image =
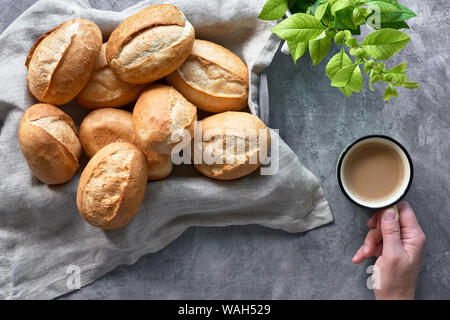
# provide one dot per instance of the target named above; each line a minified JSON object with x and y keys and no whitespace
{"x":317,"y":122}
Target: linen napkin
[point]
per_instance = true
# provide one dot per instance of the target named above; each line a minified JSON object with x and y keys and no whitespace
{"x":44,"y":241}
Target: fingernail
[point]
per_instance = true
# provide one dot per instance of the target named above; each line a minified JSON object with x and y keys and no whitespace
{"x":389,"y":215}
{"x":402,"y":205}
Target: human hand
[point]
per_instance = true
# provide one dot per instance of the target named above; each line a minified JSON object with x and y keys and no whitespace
{"x":399,"y":244}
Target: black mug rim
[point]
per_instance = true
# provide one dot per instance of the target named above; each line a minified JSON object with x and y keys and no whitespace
{"x":350,"y":146}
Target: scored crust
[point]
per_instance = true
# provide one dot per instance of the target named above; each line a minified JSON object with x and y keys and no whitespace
{"x":105,"y":90}
{"x":62,"y":60}
{"x":213,"y":78}
{"x":104,"y":126}
{"x":150,"y":44}
{"x":240,"y":126}
{"x":153,"y":16}
{"x":161,"y":117}
{"x":49,"y":142}
{"x":112,"y":187}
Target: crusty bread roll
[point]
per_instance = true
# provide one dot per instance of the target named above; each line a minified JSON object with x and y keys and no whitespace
{"x":112,"y":186}
{"x":104,"y":126}
{"x":160,"y":166}
{"x":62,"y":60}
{"x":212,"y":78}
{"x":48,"y":139}
{"x":150,"y":44}
{"x":162,"y":118}
{"x":105,"y":90}
{"x":247,"y":135}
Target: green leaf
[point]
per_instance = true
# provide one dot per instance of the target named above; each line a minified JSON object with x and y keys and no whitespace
{"x":361,"y":53}
{"x":380,"y":67}
{"x":339,"y":38}
{"x":410,"y":85}
{"x":319,"y":48}
{"x":299,"y":27}
{"x":374,"y":77}
{"x":344,"y":21}
{"x":358,"y":17}
{"x":398,"y":78}
{"x":330,"y":33}
{"x":406,"y":11}
{"x":365,"y":12}
{"x":297,"y":49}
{"x":394,"y":25}
{"x":391,"y":11}
{"x":384,"y":6}
{"x":338,"y":62}
{"x":368,"y":66}
{"x":345,"y":90}
{"x":274,"y":10}
{"x":299,"y":6}
{"x":401,"y":68}
{"x":390,"y":92}
{"x":321,"y":10}
{"x":383,"y":44}
{"x":351,"y":42}
{"x":339,"y":5}
{"x":350,"y":77}
{"x":316,"y":4}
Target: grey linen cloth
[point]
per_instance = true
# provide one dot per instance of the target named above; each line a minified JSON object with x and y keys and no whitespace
{"x":41,"y":233}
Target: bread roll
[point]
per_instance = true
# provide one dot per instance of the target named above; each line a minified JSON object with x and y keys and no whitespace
{"x":160,"y":166}
{"x":112,"y":186}
{"x":105,"y":90}
{"x":247,"y":135}
{"x":150,"y":44}
{"x":162,"y":118}
{"x":104,"y":126}
{"x":62,"y":60}
{"x":48,"y":139}
{"x":212,"y":78}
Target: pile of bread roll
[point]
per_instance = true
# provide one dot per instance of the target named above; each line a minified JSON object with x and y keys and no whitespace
{"x":152,"y":58}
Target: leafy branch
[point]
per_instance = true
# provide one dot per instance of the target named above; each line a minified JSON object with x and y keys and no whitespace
{"x":315,"y":24}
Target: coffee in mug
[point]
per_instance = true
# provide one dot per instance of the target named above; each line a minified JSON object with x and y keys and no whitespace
{"x":375,"y":172}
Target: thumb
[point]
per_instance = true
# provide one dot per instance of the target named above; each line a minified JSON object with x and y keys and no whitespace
{"x":390,"y":229}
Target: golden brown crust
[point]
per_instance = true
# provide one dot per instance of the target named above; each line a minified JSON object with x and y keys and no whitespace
{"x":105,"y":90}
{"x":151,"y":44}
{"x":238,"y":125}
{"x":222,"y":57}
{"x":105,"y":126}
{"x":160,"y":166}
{"x":62,"y":60}
{"x":153,"y":16}
{"x":112,"y":186}
{"x":38,"y":41}
{"x":213,"y":78}
{"x":48,"y":140}
{"x":161,"y":117}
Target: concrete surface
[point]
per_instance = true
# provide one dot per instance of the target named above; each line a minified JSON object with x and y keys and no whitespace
{"x":317,"y":122}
